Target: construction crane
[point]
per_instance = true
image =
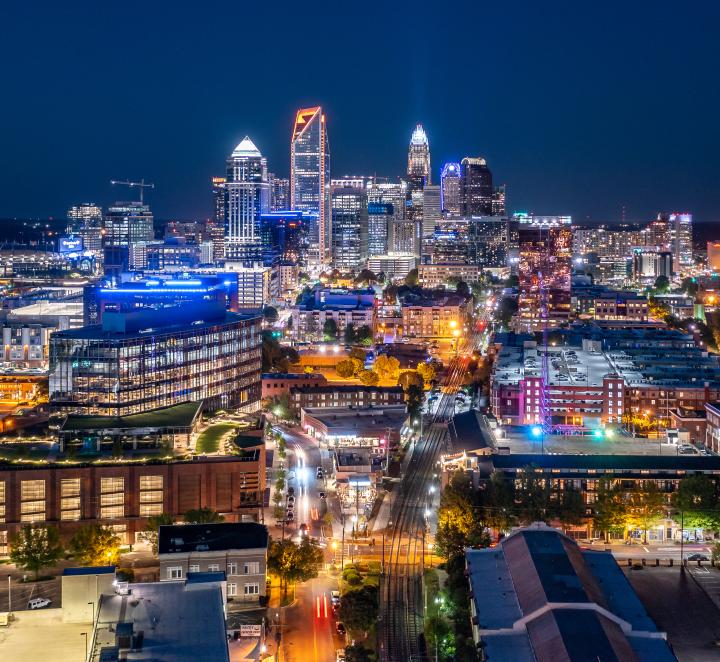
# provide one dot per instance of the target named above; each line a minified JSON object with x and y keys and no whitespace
{"x":141,"y":185}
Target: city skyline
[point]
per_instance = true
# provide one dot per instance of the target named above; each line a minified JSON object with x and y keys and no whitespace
{"x":546,"y":137}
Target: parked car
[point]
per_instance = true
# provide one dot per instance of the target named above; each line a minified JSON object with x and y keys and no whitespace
{"x":697,"y":557}
{"x":39,"y":603}
{"x":340,"y":655}
{"x":290,"y":499}
{"x":335,"y":597}
{"x":290,"y":516}
{"x":340,"y":629}
{"x":303,"y":529}
{"x":291,"y":491}
{"x":322,"y":495}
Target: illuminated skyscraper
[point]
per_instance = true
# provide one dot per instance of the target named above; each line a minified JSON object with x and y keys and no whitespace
{"x":248,"y":197}
{"x":279,"y":193}
{"x":544,"y":269}
{"x":450,"y":194}
{"x":349,"y":228}
{"x":386,"y":219}
{"x":418,"y":169}
{"x":85,"y":220}
{"x":310,"y":177}
{"x":476,"y":187}
{"x":681,"y":234}
{"x":216,"y":226}
{"x":431,"y":209}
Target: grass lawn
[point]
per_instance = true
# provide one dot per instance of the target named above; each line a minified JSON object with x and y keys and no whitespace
{"x":209,"y":440}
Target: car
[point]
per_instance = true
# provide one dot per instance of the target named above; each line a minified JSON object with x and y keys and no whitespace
{"x":303,"y":529}
{"x":290,"y":516}
{"x":290,"y":506}
{"x":340,"y":629}
{"x":340,"y":655}
{"x":335,"y":597}
{"x":320,"y":475}
{"x":291,"y":491}
{"x":290,"y":499}
{"x":697,"y":557}
{"x":39,"y":603}
{"x":322,"y":495}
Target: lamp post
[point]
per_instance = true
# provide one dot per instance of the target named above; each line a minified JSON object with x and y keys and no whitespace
{"x":84,"y":634}
{"x":334,"y":549}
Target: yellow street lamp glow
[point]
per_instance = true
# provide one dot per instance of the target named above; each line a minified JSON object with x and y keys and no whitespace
{"x":334,"y":545}
{"x":453,"y":324}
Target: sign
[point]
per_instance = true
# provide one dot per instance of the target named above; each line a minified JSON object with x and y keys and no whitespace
{"x":250,"y":630}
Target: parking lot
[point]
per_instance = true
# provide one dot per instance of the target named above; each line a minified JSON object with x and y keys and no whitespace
{"x":22,"y":592}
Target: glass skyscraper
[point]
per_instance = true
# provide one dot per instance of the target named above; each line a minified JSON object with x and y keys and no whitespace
{"x":247,"y":198}
{"x":349,"y":228}
{"x":310,"y":177}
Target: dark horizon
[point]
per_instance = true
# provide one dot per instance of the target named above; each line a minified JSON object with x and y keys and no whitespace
{"x":578,"y":110}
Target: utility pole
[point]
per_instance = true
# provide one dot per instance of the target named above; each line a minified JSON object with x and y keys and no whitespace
{"x":141,"y":185}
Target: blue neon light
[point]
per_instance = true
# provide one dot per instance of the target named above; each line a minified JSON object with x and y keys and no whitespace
{"x":536,"y":431}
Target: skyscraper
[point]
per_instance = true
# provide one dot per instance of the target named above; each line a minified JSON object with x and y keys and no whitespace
{"x":498,"y":200}
{"x":431,"y":208}
{"x":216,"y":226}
{"x":386,"y":219}
{"x":248,"y":197}
{"x":418,"y":169}
{"x":681,"y":234}
{"x":476,"y":187}
{"x":279,"y":193}
{"x":450,"y":194}
{"x":310,"y":177}
{"x":349,"y":228}
{"x":128,"y":223}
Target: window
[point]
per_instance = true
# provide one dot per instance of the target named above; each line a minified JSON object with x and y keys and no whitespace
{"x":113,"y":484}
{"x":214,"y":567}
{"x":252,"y":589}
{"x":32,"y":500}
{"x":2,"y":501}
{"x":195,"y":567}
{"x":232,"y":569}
{"x":70,"y":487}
{"x":112,"y":499}
{"x":150,"y":509}
{"x":151,"y":482}
{"x":174,"y":572}
{"x":31,"y":490}
{"x":112,"y":512}
{"x":251,"y":568}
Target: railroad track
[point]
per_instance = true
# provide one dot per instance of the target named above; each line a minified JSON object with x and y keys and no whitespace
{"x":401,"y":595}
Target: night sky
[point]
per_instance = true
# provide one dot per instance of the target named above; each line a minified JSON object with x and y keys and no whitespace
{"x":578,"y":107}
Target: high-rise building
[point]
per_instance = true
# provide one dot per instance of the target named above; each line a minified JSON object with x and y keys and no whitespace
{"x":85,"y":220}
{"x":248,"y":194}
{"x":498,"y":201}
{"x":544,"y":270}
{"x":431,"y":208}
{"x":380,"y":216}
{"x":681,"y":235}
{"x":279,"y":193}
{"x":127,"y":224}
{"x":450,"y":192}
{"x":349,"y":228}
{"x":284,"y":235}
{"x":476,"y":187}
{"x":310,"y":177}
{"x":388,"y":202}
{"x":216,"y":225}
{"x":713,"y":255}
{"x":418,"y":169}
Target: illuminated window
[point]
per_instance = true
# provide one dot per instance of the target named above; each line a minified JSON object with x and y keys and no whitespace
{"x":32,"y":498}
{"x":112,"y":512}
{"x":150,"y":509}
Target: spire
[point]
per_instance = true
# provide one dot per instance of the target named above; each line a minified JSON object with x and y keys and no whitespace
{"x":418,"y":136}
{"x":246,"y":148}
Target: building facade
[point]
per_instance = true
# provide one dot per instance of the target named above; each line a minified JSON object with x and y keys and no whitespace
{"x":476,"y":187}
{"x":349,"y":228}
{"x":450,"y":189}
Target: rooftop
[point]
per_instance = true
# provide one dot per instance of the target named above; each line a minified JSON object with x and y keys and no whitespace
{"x":184,"y":538}
{"x":177,"y":416}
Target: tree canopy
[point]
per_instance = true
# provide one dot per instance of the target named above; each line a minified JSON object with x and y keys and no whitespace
{"x":35,"y":547}
{"x":203,"y":515}
{"x":292,"y":562}
{"x":94,"y":544}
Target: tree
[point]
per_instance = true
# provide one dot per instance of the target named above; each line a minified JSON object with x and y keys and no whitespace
{"x":366,"y":276}
{"x":203,"y":515}
{"x":508,"y":307}
{"x":411,"y":280}
{"x":349,"y":334}
{"x":532,"y":494}
{"x":646,"y":506}
{"x":512,"y":281}
{"x":414,"y":397}
{"x":358,"y":653}
{"x":95,"y":545}
{"x":610,"y":509}
{"x":359,"y":354}
{"x":359,"y":608}
{"x":292,"y":562}
{"x":500,"y":499}
{"x":410,"y":378}
{"x":368,"y":377}
{"x":36,"y":547}
{"x":387,"y":367}
{"x":696,"y":501}
{"x":364,"y":335}
{"x":662,"y":284}
{"x":152,"y":529}
{"x":569,"y":506}
{"x":330,"y":329}
{"x":463,"y":289}
{"x":426,"y":371}
{"x":690,"y":286}
{"x":348,"y":367}
{"x":270,"y":314}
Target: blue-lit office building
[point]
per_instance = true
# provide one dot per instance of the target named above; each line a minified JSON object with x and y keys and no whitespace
{"x":158,"y":343}
{"x":380,"y":216}
{"x":285,"y":235}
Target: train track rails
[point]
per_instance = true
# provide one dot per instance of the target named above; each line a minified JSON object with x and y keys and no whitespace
{"x":402,"y":609}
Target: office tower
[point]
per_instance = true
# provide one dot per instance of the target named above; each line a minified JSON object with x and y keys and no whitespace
{"x":713,"y":255}
{"x":431,"y":208}
{"x":216,"y":226}
{"x":544,"y":270}
{"x":349,"y":228}
{"x":483,"y":241}
{"x":450,"y":193}
{"x":284,"y":235}
{"x":681,"y":236}
{"x":85,"y":221}
{"x":247,"y":194}
{"x":498,"y":201}
{"x":476,"y":187}
{"x":380,"y":216}
{"x":659,"y":234}
{"x":649,"y":264}
{"x":310,"y":177}
{"x":349,"y":180}
{"x":418,"y":169}
{"x":127,"y":224}
{"x":279,"y":193}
